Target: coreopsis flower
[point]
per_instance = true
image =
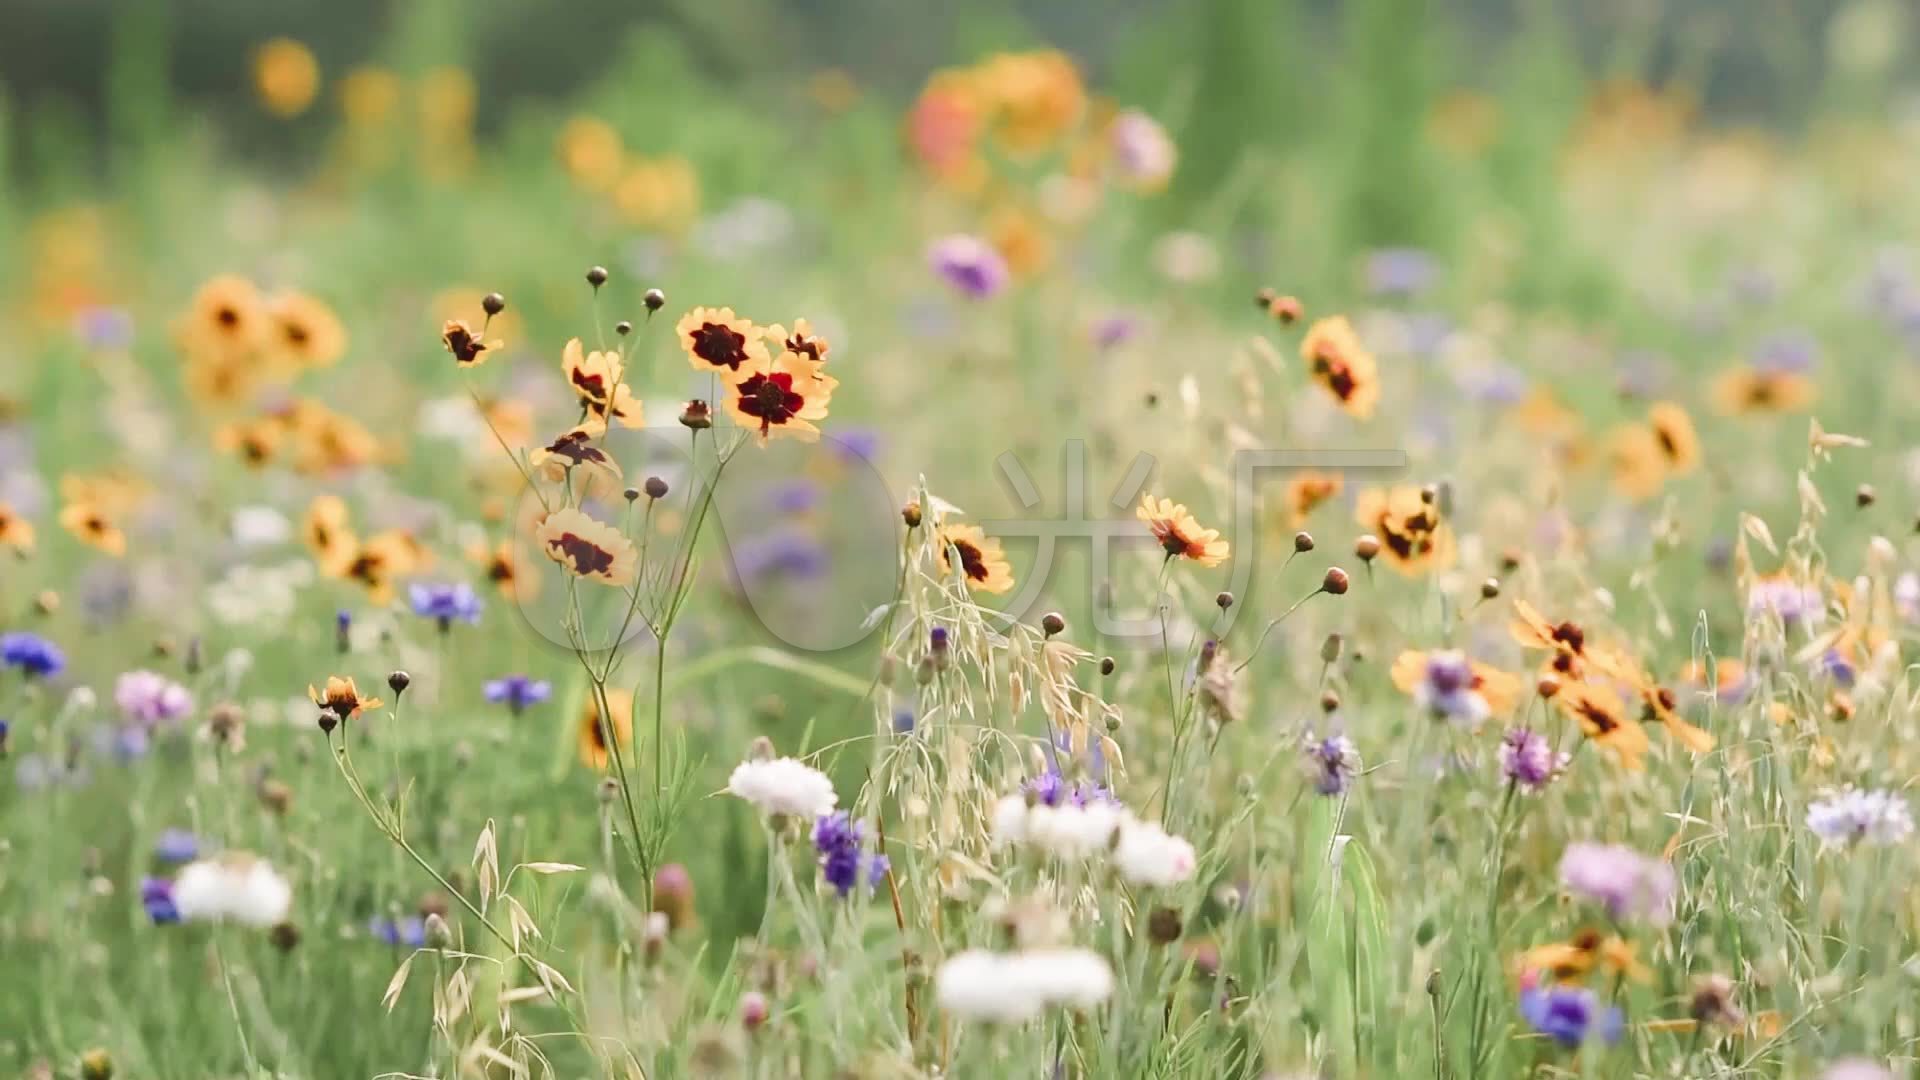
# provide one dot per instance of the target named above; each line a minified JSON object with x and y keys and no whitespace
{"x":785,"y":787}
{"x":254,"y":442}
{"x":1604,"y":720}
{"x":1342,"y":365}
{"x":1852,"y":816}
{"x":34,"y":656}
{"x":719,"y":342}
{"x":286,"y":76}
{"x":1660,"y":706}
{"x":1304,"y":494}
{"x":598,"y":380}
{"x":801,"y":340}
{"x":1034,"y":98}
{"x":1454,"y":687}
{"x":303,"y":333}
{"x":573,"y":450}
{"x":657,"y":192}
{"x":973,"y":267}
{"x":468,"y":348}
{"x":517,"y":692}
{"x":1016,"y":987}
{"x":587,"y":548}
{"x":90,"y":524}
{"x":1747,"y":390}
{"x":1588,"y":951}
{"x":844,"y":861}
{"x":982,"y":562}
{"x":500,"y":565}
{"x":1568,"y":641}
{"x":225,"y":321}
{"x":1627,"y":884}
{"x":146,"y":697}
{"x":16,"y":532}
{"x":1178,"y":534}
{"x":1637,"y":464}
{"x":1414,"y":538}
{"x":1569,"y":1015}
{"x":342,"y":698}
{"x":377,"y":563}
{"x":782,"y":399}
{"x":595,"y":751}
{"x":1674,"y":434}
{"x":1528,"y":761}
{"x":590,"y":150}
{"x":325,"y":528}
{"x":235,"y":887}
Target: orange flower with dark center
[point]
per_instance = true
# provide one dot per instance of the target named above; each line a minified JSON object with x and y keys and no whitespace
{"x":225,"y":320}
{"x":782,"y":400}
{"x":1658,"y":705}
{"x":1674,"y":434}
{"x":500,"y":566}
{"x":1179,"y":535}
{"x":573,"y":450}
{"x":16,"y":532}
{"x":1744,"y":390}
{"x":1586,"y":951}
{"x":254,"y":441}
{"x":341,"y":698}
{"x":1414,"y":539}
{"x":378,"y":563}
{"x":587,"y":548}
{"x":718,"y":341}
{"x":1604,"y":720}
{"x":91,"y":525}
{"x":304,"y":333}
{"x":801,"y":341}
{"x":326,"y":530}
{"x":467,"y":348}
{"x":982,"y":562}
{"x":1638,"y":464}
{"x":1304,"y":494}
{"x":1339,"y":363}
{"x":595,"y":751}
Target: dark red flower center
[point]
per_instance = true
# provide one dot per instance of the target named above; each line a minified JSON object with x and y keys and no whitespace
{"x":462,"y":344}
{"x":971,"y":560}
{"x":227,"y":316}
{"x":1597,"y":718}
{"x":770,"y":399}
{"x":720,"y":346}
{"x":586,"y":557}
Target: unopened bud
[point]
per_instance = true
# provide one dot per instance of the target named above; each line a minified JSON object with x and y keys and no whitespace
{"x":1330,"y":648}
{"x":1287,"y":309}
{"x":1366,"y":547}
{"x":596,"y":276}
{"x":1490,"y":588}
{"x":439,"y":934}
{"x":655,"y":300}
{"x":1335,"y":583}
{"x":1302,"y":542}
{"x":398,"y":682}
{"x":1329,"y":702}
{"x":753,"y":1010}
{"x":623,"y":328}
{"x":493,"y":304}
{"x":1107,"y":665}
{"x":1164,"y":926}
{"x":1547,"y":686}
{"x":656,"y":488}
{"x":1223,"y":600}
{"x":697,"y":415}
{"x":910,"y":514}
{"x":1053,"y":623}
{"x":1863,"y":496}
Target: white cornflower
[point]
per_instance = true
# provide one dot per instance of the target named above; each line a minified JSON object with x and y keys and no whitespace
{"x":235,"y":886}
{"x":1067,"y":831}
{"x":1015,"y":987}
{"x":1148,"y":855}
{"x":1854,"y":816}
{"x":784,"y":786}
{"x":260,"y":527}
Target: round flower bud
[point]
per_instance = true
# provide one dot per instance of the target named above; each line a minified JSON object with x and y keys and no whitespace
{"x":1053,"y":623}
{"x":1366,"y":547}
{"x":1287,"y":309}
{"x":623,"y":328}
{"x":1164,"y":926}
{"x":1490,"y":588}
{"x":1302,"y":542}
{"x":1329,"y":702}
{"x":1330,"y":648}
{"x":493,"y":304}
{"x":655,"y":300}
{"x":1547,"y":686}
{"x":596,"y":276}
{"x":1863,"y":496}
{"x":698,"y":415}
{"x":910,"y":514}
{"x":1107,"y":665}
{"x":753,"y":1010}
{"x":656,"y":488}
{"x":1335,"y":583}
{"x":398,"y":682}
{"x":632,"y":494}
{"x":1223,"y":600}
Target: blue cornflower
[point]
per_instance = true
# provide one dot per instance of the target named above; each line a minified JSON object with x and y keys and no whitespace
{"x":408,"y":930}
{"x":32,"y":654}
{"x":5,"y":730}
{"x":445,"y":604}
{"x":796,"y":496}
{"x":156,"y":895}
{"x":343,"y":631}
{"x":1400,"y":271}
{"x":1052,"y":789}
{"x":856,"y":443}
{"x":176,"y":846}
{"x":786,"y":552}
{"x":1569,"y":1015}
{"x":518,"y":692}
{"x":843,"y":861}
{"x":1331,"y":763}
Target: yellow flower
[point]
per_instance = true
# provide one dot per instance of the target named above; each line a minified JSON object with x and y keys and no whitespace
{"x":1497,"y":689}
{"x":1414,"y":539}
{"x":90,"y":524}
{"x":659,"y":193}
{"x":16,"y":532}
{"x":1604,"y":720}
{"x":1744,"y":390}
{"x":225,"y":322}
{"x":802,"y":340}
{"x":303,"y":332}
{"x":1036,"y":98}
{"x":341,"y":698}
{"x":594,"y":750}
{"x":328,"y":532}
{"x":1179,"y":534}
{"x":591,"y":152}
{"x":286,"y":76}
{"x":587,"y":548}
{"x":1305,"y":492}
{"x":368,"y":96}
{"x":467,"y":347}
{"x":719,"y":342}
{"x":1673,"y":429}
{"x":501,"y":567}
{"x":254,"y":441}
{"x":1574,"y":960}
{"x":782,"y":399}
{"x":573,"y":450}
{"x":1340,"y":364}
{"x":981,"y":560}
{"x":1639,"y":467}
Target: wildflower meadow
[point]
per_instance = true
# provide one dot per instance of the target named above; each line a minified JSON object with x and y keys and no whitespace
{"x":1219,"y":539}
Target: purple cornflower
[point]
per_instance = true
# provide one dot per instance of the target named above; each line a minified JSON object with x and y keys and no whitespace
{"x":786,"y":552}
{"x":1400,"y":271}
{"x":1113,"y":331}
{"x":1425,"y":333}
{"x":518,"y":692}
{"x":1788,"y":350}
{"x":5,"y":730}
{"x":1331,"y":763}
{"x":1052,"y":789}
{"x":444,"y":603}
{"x":409,"y":931}
{"x":149,"y":698}
{"x":844,"y":861}
{"x":856,"y":443}
{"x":969,"y":264}
{"x":903,"y":720}
{"x":1527,"y":760}
{"x":1789,"y":601}
{"x":1446,"y":689}
{"x":1500,"y":384}
{"x":104,"y":328}
{"x":176,"y":846}
{"x":1569,"y":1015}
{"x":1628,"y":884}
{"x":343,"y":631}
{"x":156,"y":896}
{"x":1853,"y":816}
{"x":796,"y":496}
{"x":32,"y":654}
